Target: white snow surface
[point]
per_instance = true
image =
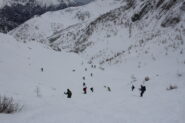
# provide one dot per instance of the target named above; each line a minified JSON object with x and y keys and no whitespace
{"x":21,"y":76}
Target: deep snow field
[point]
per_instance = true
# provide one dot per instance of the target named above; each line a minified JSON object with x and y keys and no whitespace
{"x":42,"y":93}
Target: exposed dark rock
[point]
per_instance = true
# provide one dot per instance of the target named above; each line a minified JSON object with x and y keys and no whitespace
{"x":169,"y":4}
{"x":183,"y":7}
{"x":144,"y":10}
{"x":159,"y":3}
{"x":170,"y":22}
{"x":16,"y":14}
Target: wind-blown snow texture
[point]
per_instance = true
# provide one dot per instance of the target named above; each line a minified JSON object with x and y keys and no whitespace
{"x":126,"y":40}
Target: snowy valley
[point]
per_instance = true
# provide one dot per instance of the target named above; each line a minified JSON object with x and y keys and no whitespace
{"x":106,"y":43}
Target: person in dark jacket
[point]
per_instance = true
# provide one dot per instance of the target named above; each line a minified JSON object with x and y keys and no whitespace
{"x":68,"y":93}
{"x":42,"y":69}
{"x":84,"y":88}
{"x":92,"y":89}
{"x":142,"y":89}
{"x":108,"y":88}
{"x":133,"y":87}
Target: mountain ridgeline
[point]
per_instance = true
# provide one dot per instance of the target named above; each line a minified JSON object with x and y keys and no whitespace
{"x":137,"y":23}
{"x":131,"y":26}
{"x":18,"y":12}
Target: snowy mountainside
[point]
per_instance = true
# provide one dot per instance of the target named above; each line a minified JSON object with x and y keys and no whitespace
{"x":127,"y":43}
{"x":41,"y":27}
{"x":143,"y":27}
{"x":42,"y":92}
{"x":114,"y":28}
{"x":40,"y":2}
{"x":15,"y":12}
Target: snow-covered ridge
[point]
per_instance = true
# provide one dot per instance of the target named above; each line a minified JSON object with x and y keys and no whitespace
{"x":15,"y":12}
{"x":39,"y":2}
{"x":41,"y":27}
{"x":114,"y":28}
{"x":55,"y":2}
{"x":134,"y":26}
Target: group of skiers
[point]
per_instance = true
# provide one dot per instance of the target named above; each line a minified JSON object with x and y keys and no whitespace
{"x":142,"y":89}
{"x":69,"y":93}
{"x":85,"y":88}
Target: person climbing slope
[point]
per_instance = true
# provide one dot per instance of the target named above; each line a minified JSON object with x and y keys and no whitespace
{"x":142,"y":90}
{"x":84,"y":88}
{"x":68,"y":93}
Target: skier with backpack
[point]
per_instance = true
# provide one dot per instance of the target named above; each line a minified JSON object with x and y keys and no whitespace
{"x":142,"y":90}
{"x":68,"y":93}
{"x":92,"y":89}
{"x":84,"y":88}
{"x":133,"y":87}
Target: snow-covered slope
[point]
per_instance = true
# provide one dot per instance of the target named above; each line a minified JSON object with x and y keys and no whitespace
{"x":41,"y":93}
{"x":127,"y":40}
{"x":15,"y":12}
{"x":113,"y":27}
{"x":41,"y":27}
{"x":142,"y":27}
